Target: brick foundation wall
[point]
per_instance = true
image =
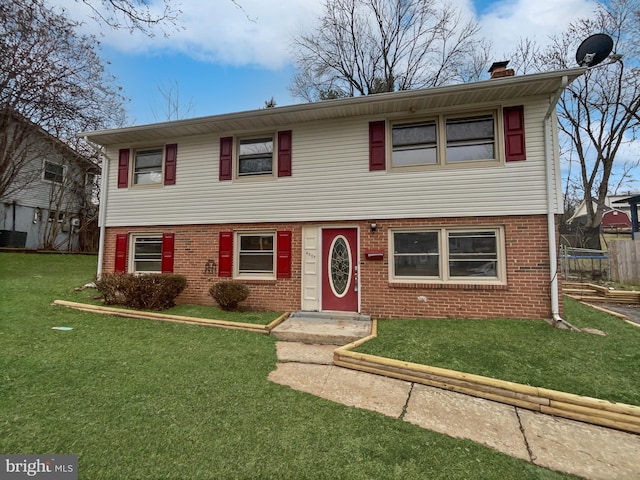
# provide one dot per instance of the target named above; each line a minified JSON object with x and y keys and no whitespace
{"x":526,"y":294}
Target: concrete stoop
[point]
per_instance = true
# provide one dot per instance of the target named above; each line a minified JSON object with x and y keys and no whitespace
{"x":323,"y":328}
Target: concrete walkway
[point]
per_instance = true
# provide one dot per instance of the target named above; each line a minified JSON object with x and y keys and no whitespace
{"x":577,"y":448}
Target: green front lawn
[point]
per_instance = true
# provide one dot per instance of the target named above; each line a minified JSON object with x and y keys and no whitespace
{"x":525,"y":351}
{"x":141,"y":399}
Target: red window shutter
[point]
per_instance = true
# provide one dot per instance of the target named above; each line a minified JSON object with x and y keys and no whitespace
{"x":514,"y":144}
{"x":121,"y":253}
{"x":226,"y":158}
{"x":123,"y":168}
{"x":170,"y":158}
{"x":225,"y":255}
{"x":168,"y":240}
{"x":284,"y":153}
{"x":283,"y":262}
{"x":377,"y":146}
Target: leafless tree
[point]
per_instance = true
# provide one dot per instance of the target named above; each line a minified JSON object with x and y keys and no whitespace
{"x":136,"y":15}
{"x":172,"y":108}
{"x":371,"y":46}
{"x":598,"y":112}
{"x":51,"y":78}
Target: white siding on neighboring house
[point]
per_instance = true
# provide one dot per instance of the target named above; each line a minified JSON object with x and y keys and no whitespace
{"x":331,"y":181}
{"x":38,"y":192}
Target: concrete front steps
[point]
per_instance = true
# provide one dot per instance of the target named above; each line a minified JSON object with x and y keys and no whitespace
{"x":323,"y":328}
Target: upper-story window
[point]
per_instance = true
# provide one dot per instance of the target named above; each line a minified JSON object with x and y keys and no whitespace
{"x":255,"y":156}
{"x":470,"y":139}
{"x":415,"y":144}
{"x":53,"y":172}
{"x":444,"y":140}
{"x":147,"y":166}
{"x":260,"y":156}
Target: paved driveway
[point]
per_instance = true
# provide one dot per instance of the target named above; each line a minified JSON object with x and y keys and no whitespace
{"x":632,"y":312}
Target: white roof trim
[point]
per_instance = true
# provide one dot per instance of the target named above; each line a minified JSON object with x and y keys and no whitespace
{"x":502,"y":89}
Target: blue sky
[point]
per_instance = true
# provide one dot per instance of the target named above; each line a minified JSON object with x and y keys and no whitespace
{"x":228,"y":60}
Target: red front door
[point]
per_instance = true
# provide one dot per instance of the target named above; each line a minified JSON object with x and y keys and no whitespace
{"x":340,"y":269}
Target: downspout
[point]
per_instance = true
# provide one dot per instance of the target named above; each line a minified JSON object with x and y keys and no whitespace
{"x":557,"y":321}
{"x":102,"y":215}
{"x":102,"y":211}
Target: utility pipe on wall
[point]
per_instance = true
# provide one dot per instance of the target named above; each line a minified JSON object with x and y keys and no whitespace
{"x":551,"y":223}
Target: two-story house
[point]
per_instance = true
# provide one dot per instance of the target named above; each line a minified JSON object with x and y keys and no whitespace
{"x":48,"y":196}
{"x":426,"y":203}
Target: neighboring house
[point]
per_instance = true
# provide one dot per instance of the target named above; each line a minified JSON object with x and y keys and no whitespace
{"x":51,"y":198}
{"x":418,"y":204}
{"x":611,"y":203}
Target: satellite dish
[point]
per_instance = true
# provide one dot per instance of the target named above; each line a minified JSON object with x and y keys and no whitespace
{"x":594,"y":50}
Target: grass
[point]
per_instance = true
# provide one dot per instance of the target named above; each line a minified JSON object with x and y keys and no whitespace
{"x":525,"y":351}
{"x":141,"y":399}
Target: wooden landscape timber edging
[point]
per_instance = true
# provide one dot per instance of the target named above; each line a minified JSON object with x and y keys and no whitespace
{"x":598,"y":293}
{"x":585,"y":409}
{"x":120,"y":312}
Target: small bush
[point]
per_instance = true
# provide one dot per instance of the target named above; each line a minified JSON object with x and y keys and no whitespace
{"x":110,"y":287}
{"x":229,"y":294}
{"x":145,"y":292}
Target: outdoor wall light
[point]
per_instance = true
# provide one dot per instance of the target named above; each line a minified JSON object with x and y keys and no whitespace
{"x":374,"y":227}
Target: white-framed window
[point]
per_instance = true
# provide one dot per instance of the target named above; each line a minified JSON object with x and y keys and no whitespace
{"x":444,"y":140}
{"x":255,"y":156}
{"x":448,"y":255}
{"x":255,"y":254}
{"x":147,"y":166}
{"x":147,"y":254}
{"x":53,"y":172}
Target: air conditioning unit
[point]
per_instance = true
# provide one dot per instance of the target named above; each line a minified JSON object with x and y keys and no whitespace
{"x":75,"y":222}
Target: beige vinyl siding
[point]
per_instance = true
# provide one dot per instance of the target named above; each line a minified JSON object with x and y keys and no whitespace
{"x":331,"y":181}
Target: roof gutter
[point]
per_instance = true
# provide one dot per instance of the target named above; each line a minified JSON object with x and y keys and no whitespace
{"x":557,"y":321}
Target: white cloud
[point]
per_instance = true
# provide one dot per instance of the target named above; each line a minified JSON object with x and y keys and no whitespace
{"x":259,"y":33}
{"x":506,"y":22}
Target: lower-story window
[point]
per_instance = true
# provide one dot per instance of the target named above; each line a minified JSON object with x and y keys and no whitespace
{"x":448,"y":255}
{"x":147,"y":254}
{"x":473,"y":254}
{"x":255,"y":254}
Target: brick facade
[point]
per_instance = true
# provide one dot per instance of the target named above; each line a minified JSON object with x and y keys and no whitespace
{"x":526,"y":295}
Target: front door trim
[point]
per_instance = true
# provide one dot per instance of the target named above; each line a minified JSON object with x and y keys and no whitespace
{"x":352,"y":291}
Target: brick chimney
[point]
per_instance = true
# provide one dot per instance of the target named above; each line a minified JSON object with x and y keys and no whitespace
{"x":500,"y":70}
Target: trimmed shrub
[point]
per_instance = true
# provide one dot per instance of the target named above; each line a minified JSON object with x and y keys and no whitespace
{"x":144,"y":292}
{"x":229,"y":294}
{"x":110,"y":287}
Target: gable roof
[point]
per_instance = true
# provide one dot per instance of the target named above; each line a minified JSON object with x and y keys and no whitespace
{"x":495,"y":90}
{"x":61,"y":147}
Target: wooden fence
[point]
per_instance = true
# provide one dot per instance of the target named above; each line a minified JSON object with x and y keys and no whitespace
{"x":624,"y":261}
